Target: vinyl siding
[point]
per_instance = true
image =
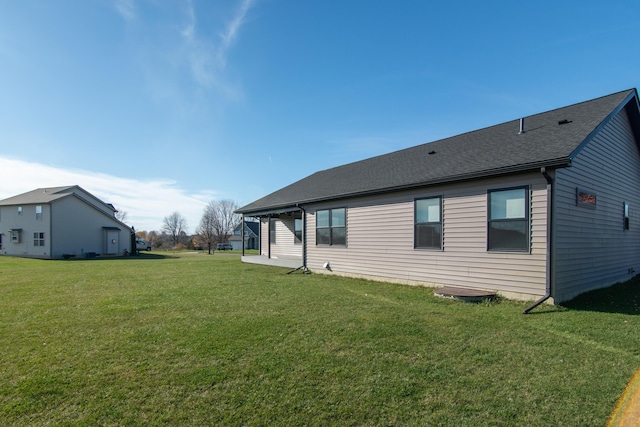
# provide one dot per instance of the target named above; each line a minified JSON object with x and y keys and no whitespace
{"x":70,"y":226}
{"x":380,"y":240}
{"x":9,"y":219}
{"x":78,"y":229}
{"x":285,"y":246}
{"x":593,"y":250}
{"x":264,"y":236}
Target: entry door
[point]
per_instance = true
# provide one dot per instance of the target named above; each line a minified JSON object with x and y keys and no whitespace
{"x":112,"y":242}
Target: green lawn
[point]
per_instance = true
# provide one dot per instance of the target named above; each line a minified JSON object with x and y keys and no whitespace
{"x":194,"y":339}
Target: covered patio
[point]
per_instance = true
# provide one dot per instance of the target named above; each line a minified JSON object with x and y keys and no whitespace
{"x":282,"y":238}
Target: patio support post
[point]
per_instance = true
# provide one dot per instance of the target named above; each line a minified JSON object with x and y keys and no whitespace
{"x":242,"y":234}
{"x":269,"y":238}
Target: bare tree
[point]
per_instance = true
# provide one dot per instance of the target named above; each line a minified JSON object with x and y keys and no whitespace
{"x":174,"y":225}
{"x":206,"y":231}
{"x":225,"y":219}
{"x":121,"y":216}
{"x":218,"y":221}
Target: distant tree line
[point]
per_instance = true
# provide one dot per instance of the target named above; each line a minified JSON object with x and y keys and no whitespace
{"x":216,"y":226}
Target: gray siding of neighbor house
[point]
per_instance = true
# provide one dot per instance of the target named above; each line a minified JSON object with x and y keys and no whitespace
{"x":593,"y":249}
{"x":380,"y":240}
{"x":9,"y":219}
{"x":285,"y":246}
{"x":79,"y":229}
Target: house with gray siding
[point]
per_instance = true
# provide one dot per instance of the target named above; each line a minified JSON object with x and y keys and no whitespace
{"x":543,"y":207}
{"x":61,"y":222}
{"x":250,"y":236}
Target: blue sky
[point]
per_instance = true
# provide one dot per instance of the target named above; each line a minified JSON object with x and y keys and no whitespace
{"x":163,"y":105}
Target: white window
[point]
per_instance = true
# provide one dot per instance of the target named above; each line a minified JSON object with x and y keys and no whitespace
{"x":19,"y":210}
{"x":38,"y":239}
{"x":38,"y":213}
{"x":15,"y":235}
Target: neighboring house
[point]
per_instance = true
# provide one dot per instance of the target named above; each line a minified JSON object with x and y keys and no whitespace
{"x":543,"y":207}
{"x":59,"y":222}
{"x":251,"y":236}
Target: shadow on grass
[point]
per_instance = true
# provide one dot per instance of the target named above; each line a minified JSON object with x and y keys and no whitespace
{"x":623,"y":298}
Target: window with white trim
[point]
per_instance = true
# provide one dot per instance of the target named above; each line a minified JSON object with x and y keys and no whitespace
{"x":15,"y":236}
{"x":508,"y":224}
{"x":38,"y":239}
{"x":38,"y":213}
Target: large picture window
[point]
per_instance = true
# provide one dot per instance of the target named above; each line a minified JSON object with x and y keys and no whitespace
{"x":428,"y":223}
{"x":331,"y":227}
{"x":508,"y":228}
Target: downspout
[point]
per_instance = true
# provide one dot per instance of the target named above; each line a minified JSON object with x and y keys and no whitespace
{"x":549,"y":271}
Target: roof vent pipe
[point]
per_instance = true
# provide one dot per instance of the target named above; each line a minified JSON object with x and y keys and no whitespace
{"x":521,"y":126}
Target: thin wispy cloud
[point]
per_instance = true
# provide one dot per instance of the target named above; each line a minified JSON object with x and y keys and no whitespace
{"x":207,"y":58}
{"x":233,"y":28}
{"x":203,"y":54}
{"x":126,"y":9}
{"x":146,"y":202}
{"x":189,"y":29}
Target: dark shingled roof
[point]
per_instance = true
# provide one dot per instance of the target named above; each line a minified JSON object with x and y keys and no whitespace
{"x":486,"y":152}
